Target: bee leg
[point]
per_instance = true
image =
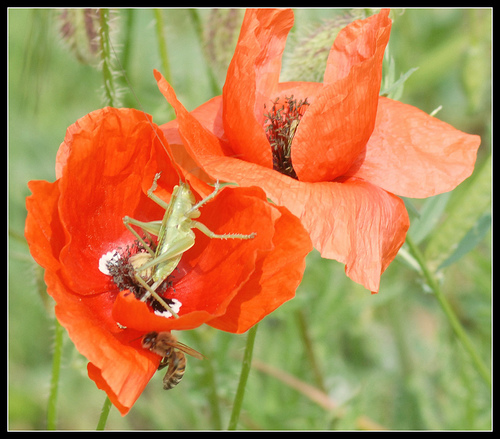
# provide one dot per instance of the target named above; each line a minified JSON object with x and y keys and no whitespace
{"x":164,"y":363}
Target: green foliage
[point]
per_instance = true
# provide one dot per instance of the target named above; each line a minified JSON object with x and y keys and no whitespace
{"x":390,"y":360}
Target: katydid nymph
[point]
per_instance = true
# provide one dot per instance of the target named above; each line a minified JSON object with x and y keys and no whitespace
{"x":175,"y":236}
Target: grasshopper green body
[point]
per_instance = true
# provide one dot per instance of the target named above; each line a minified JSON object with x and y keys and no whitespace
{"x":175,"y":236}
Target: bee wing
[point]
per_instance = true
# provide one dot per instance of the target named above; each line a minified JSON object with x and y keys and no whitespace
{"x":187,"y":350}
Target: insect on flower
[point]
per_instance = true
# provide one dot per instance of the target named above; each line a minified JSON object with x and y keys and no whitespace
{"x":172,"y":351}
{"x":175,"y":236}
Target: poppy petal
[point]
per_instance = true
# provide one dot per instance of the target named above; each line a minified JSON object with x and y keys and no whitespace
{"x":282,"y":271}
{"x":356,"y":43}
{"x":351,"y":220}
{"x":125,"y":368}
{"x":122,"y":389}
{"x":191,"y":130}
{"x":362,"y":226}
{"x":337,"y":125}
{"x":413,"y":154}
{"x":252,"y":81}
{"x":43,"y":230}
{"x":112,"y":189}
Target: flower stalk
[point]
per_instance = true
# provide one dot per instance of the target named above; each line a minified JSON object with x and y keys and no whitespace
{"x":449,"y":313}
{"x":104,"y":414}
{"x":162,"y":44}
{"x":107,"y":70}
{"x":54,"y":382}
{"x":245,"y":370}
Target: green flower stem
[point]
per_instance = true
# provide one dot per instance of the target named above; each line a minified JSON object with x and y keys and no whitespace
{"x":54,"y":382}
{"x":245,"y":370}
{"x":127,"y":42}
{"x":450,"y":314}
{"x":104,"y":414}
{"x":107,"y":71}
{"x":162,"y":44}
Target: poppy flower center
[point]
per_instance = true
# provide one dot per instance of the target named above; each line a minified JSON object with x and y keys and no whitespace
{"x":281,"y":124}
{"x":121,"y":266}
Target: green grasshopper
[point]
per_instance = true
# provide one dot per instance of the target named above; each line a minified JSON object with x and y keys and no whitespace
{"x":175,"y":236}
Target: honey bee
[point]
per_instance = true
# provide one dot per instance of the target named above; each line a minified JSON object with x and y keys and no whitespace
{"x":172,"y":351}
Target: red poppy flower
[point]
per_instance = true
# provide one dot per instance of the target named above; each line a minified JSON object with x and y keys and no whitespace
{"x":334,"y":153}
{"x":75,"y":230}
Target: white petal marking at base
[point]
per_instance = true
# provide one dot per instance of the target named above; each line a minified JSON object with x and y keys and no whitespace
{"x":106,"y":258}
{"x":175,"y":306}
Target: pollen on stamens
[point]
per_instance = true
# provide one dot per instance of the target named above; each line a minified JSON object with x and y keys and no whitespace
{"x":280,"y":124}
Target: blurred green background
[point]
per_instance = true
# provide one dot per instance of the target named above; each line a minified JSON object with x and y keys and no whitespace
{"x":389,"y":360}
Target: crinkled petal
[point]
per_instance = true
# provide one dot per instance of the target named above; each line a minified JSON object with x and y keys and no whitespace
{"x":358,"y":42}
{"x":413,"y":154}
{"x":102,"y":183}
{"x":252,"y":82}
{"x":43,"y":230}
{"x":280,"y":273}
{"x":351,"y":220}
{"x":125,"y":367}
{"x":361,"y":226}
{"x":337,"y":125}
{"x":190,"y":130}
{"x":122,"y":389}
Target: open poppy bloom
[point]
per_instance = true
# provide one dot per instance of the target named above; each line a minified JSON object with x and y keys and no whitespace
{"x":75,"y":230}
{"x":334,"y":153}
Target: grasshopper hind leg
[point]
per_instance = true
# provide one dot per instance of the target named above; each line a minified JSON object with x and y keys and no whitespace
{"x":203,"y":228}
{"x":156,"y":296}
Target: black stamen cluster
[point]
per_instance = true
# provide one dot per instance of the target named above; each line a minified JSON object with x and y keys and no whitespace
{"x":123,"y":274}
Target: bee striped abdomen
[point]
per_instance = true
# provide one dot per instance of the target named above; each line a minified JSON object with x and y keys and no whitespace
{"x":176,"y":369}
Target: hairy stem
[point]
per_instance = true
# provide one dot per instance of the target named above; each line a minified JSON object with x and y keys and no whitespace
{"x":54,"y":382}
{"x":107,"y":71}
